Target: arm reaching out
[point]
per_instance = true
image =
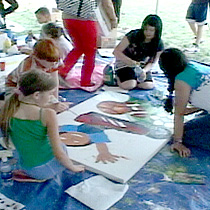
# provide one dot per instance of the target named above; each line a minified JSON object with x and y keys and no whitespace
{"x":118,"y":53}
{"x":182,"y":94}
{"x":52,"y":127}
{"x":149,"y":65}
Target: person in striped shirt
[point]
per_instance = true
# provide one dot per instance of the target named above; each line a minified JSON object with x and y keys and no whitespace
{"x":80,"y":21}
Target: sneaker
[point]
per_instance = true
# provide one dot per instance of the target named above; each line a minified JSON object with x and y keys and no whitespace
{"x":201,"y":41}
{"x":193,"y":49}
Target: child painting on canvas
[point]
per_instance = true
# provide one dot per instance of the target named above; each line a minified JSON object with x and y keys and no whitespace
{"x":34,"y":130}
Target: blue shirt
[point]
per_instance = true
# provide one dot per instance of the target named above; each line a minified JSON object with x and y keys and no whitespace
{"x":194,"y":74}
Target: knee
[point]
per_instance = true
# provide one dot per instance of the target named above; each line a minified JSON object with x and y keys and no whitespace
{"x":127,"y":85}
{"x":146,"y":85}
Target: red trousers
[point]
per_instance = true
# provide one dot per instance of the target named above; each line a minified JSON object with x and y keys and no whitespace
{"x":84,"y":36}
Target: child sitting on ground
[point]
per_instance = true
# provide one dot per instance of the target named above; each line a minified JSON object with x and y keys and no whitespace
{"x":45,"y":57}
{"x":34,"y":130}
{"x":51,"y":30}
{"x":137,"y":53}
{"x":43,"y":16}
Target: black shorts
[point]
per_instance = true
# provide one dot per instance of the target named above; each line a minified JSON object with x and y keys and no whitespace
{"x":128,"y":73}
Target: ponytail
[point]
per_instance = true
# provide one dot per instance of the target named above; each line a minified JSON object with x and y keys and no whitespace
{"x":169,"y":102}
{"x":29,"y":82}
{"x":9,"y":109}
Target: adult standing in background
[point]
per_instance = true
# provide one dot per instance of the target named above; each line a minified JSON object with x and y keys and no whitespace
{"x":3,"y":12}
{"x":80,"y":21}
{"x":117,"y":5}
{"x":196,"y":18}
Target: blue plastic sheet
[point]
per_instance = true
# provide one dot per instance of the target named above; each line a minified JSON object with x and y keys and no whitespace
{"x":166,"y":182}
{"x":151,"y":188}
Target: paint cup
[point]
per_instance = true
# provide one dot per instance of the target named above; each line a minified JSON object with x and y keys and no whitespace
{"x":2,"y":65}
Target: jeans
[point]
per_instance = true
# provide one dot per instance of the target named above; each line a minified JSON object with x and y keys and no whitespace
{"x":197,"y":132}
{"x":48,"y":170}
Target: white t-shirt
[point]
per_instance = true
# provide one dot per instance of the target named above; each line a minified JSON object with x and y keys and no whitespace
{"x":64,"y":45}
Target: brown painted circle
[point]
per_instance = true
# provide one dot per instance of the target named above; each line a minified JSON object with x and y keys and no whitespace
{"x":74,"y":138}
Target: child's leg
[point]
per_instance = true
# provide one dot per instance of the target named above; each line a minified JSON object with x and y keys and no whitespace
{"x":200,"y":12}
{"x":126,"y":78}
{"x":193,"y":27}
{"x":199,"y":34}
{"x":84,"y":36}
{"x":190,"y":18}
{"x":147,"y":84}
{"x":48,"y":170}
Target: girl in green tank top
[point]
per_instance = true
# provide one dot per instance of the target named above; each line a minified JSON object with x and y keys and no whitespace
{"x":34,"y":130}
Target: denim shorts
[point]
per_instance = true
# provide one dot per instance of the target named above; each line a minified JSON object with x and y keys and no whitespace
{"x":197,"y":12}
{"x":47,"y":170}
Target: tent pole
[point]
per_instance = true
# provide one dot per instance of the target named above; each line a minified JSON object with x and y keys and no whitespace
{"x":156,"y":10}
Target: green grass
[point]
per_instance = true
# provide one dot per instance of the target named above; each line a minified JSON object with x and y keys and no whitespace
{"x":176,"y":31}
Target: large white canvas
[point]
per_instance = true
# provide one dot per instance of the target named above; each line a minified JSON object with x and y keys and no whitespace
{"x":137,"y":149}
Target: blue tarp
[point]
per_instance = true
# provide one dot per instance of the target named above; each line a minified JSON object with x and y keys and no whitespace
{"x":166,"y":182}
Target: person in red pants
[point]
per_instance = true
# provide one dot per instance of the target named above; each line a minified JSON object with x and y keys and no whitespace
{"x":80,"y":21}
{"x":84,"y":43}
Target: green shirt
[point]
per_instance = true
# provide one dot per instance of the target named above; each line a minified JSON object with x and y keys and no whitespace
{"x":31,"y":141}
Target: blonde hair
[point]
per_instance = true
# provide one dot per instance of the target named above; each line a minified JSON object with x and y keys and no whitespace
{"x":29,"y":83}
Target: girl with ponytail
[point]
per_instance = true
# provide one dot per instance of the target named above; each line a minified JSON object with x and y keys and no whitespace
{"x":190,"y":80}
{"x":34,"y":130}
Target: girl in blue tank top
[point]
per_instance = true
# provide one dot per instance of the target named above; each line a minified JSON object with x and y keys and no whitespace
{"x":190,"y":80}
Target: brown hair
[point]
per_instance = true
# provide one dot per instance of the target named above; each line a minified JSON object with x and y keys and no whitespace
{"x":43,"y":11}
{"x":30,"y":82}
{"x":47,"y":49}
{"x":53,"y":30}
